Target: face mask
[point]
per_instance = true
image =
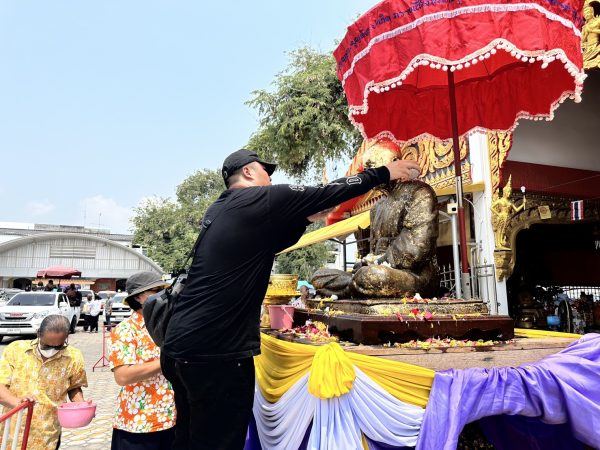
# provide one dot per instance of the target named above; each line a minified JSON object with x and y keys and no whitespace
{"x":47,"y":353}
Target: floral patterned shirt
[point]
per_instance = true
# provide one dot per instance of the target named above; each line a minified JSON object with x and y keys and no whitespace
{"x":26,"y":374}
{"x":149,"y":405}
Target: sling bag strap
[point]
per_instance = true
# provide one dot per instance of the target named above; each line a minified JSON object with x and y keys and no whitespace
{"x":206,"y":223}
{"x":157,"y":310}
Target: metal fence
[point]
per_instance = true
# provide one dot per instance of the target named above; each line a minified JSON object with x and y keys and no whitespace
{"x":574,"y":291}
{"x":6,"y":421}
{"x":483,"y":282}
{"x":447,"y":279}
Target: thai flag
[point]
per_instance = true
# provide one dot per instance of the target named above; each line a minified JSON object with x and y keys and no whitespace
{"x":577,"y":210}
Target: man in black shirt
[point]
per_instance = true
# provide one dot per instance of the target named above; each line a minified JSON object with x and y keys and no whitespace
{"x":214,"y":331}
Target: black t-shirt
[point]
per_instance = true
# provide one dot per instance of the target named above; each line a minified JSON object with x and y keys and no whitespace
{"x":217,"y":314}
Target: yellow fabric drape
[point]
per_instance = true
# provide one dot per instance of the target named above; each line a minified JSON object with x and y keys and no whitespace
{"x":282,"y":364}
{"x":332,"y":373}
{"x":342,"y":228}
{"x":527,"y":333}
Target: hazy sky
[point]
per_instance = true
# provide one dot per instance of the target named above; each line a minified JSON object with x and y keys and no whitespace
{"x":104,"y":103}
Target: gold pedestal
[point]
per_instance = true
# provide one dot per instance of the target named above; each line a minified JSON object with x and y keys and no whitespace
{"x":282,"y":288}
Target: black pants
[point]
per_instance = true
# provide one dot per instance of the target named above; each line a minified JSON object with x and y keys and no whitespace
{"x":107,"y":321}
{"x":214,"y":402}
{"x":159,"y":440}
{"x":93,"y":321}
{"x":86,"y":321}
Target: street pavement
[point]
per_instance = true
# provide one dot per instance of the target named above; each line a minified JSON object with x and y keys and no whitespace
{"x":102,"y":389}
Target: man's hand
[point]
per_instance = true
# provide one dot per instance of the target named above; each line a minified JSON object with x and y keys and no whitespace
{"x":403,"y":169}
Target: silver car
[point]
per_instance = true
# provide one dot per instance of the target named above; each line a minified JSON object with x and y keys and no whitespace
{"x":120,"y":310}
{"x":23,"y":314}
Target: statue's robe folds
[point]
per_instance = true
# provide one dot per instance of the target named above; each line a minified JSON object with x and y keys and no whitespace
{"x":404,"y":231}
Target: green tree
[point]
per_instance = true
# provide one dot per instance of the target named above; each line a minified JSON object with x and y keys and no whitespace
{"x":305,"y":261}
{"x":303,"y":122}
{"x":168,"y":229}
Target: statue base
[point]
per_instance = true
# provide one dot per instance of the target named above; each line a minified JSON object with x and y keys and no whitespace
{"x":388,"y":306}
{"x":383,"y":321}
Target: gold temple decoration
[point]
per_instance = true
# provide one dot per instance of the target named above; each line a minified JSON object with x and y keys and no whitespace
{"x":437,"y":162}
{"x":590,"y":35}
{"x":537,"y":210}
{"x":436,"y":159}
{"x":545,"y":212}
{"x":499,"y":144}
{"x":503,"y":208}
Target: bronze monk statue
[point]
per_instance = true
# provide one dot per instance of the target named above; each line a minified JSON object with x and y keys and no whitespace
{"x":402,"y":259}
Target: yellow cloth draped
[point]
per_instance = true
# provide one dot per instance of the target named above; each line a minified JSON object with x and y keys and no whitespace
{"x":282,"y":364}
{"x":332,"y":373}
{"x":528,"y":333}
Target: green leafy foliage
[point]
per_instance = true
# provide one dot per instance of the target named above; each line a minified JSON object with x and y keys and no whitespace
{"x":168,"y":229}
{"x":305,"y":261}
{"x":303,"y":122}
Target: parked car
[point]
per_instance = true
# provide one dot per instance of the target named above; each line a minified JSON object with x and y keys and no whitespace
{"x":86,"y":292}
{"x":105,"y":294}
{"x":7,"y":293}
{"x":120,"y":310}
{"x":23,"y":314}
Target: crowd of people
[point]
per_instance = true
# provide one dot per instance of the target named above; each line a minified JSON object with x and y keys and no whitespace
{"x":197,"y":391}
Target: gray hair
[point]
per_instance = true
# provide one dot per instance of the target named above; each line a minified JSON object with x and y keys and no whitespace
{"x":55,"y":324}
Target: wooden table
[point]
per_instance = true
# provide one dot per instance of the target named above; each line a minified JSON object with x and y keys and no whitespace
{"x":517,"y":352}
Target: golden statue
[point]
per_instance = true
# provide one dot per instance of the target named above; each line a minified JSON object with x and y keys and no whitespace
{"x":502,"y":211}
{"x":590,"y":35}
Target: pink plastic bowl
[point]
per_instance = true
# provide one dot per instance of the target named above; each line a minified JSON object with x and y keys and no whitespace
{"x":76,"y":414}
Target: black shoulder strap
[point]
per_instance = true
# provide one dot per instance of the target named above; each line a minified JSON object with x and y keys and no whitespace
{"x":205,"y":224}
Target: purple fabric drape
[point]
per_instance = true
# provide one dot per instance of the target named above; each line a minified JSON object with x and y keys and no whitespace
{"x":374,"y":445}
{"x":527,"y":433}
{"x":253,"y":441}
{"x":563,"y":388}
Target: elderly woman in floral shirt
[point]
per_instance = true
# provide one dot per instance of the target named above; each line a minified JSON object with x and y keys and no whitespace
{"x":145,"y":415}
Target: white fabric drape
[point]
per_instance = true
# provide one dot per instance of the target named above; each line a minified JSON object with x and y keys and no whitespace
{"x":283,"y":425}
{"x":337,"y":423}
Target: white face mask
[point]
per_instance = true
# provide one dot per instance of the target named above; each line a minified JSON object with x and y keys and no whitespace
{"x":47,"y":353}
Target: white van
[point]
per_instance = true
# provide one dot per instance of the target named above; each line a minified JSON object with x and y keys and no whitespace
{"x":23,"y":314}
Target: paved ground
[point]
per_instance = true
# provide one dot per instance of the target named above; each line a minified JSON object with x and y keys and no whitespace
{"x":101,"y":388}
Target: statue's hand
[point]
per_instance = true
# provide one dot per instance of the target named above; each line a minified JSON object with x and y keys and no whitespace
{"x":371,"y":259}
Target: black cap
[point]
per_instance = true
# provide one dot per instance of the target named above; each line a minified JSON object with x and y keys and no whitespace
{"x":239,"y":159}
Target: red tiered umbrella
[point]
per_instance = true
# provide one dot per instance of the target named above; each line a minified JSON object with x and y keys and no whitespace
{"x":444,"y":68}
